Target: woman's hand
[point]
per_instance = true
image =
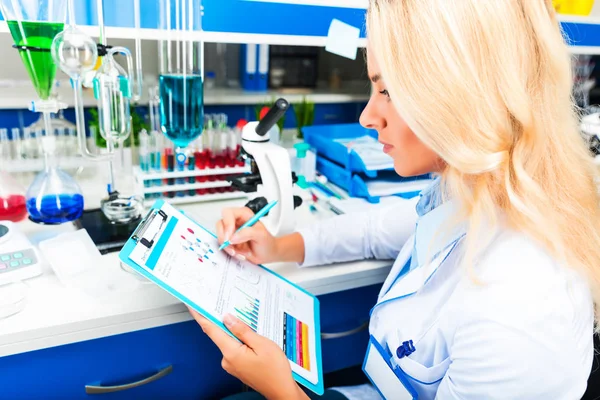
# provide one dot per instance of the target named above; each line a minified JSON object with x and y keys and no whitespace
{"x":254,"y":244}
{"x":257,"y":361}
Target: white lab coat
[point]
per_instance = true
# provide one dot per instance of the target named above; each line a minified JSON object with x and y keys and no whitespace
{"x":524,"y":332}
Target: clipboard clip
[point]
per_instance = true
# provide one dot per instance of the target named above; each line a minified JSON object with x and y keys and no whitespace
{"x":147,"y":222}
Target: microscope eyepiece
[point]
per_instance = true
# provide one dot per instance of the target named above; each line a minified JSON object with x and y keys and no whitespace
{"x":271,"y":118}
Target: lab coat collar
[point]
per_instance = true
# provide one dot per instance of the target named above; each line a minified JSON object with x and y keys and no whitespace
{"x":437,"y":230}
{"x":433,"y":241}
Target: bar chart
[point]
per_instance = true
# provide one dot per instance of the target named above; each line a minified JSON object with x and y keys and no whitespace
{"x":247,"y":309}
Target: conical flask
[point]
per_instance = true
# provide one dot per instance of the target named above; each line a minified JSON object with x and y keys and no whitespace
{"x":33,"y":25}
{"x":12,"y":199}
{"x":54,"y":197}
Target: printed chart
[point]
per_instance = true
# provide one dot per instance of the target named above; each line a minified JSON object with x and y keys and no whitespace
{"x":296,"y":341}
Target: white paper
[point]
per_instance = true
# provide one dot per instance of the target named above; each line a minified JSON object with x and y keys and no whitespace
{"x":342,"y":39}
{"x":191,"y":265}
{"x":370,"y":152}
{"x":383,"y":187}
{"x":356,"y":204}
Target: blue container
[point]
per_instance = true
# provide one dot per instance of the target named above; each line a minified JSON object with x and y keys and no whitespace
{"x":356,"y":184}
{"x":323,"y":139}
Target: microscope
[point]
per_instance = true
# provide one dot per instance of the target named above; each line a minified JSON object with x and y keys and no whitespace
{"x":271,"y":176}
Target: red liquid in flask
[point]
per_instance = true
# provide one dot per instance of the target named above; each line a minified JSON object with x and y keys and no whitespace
{"x":13,"y":208}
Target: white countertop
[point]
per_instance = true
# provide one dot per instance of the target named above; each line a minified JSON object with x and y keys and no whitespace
{"x":56,"y":315}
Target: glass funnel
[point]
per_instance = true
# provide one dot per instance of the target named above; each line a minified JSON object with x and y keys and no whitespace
{"x":181,"y":74}
{"x":33,"y":25}
{"x":54,"y":197}
{"x":12,"y":199}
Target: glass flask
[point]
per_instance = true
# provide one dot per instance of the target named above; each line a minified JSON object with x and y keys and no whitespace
{"x":113,"y":90}
{"x":54,"y":197}
{"x":181,"y":74}
{"x":12,"y":199}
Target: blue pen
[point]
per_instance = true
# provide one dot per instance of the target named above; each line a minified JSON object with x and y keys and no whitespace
{"x":252,"y":221}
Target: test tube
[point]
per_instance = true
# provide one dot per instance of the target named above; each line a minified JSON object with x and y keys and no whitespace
{"x":16,"y":142}
{"x":61,"y":143}
{"x":191,"y":166}
{"x":200,"y":161}
{"x":5,"y":148}
{"x":170,"y":159}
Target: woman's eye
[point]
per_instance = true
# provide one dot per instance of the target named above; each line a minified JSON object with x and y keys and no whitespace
{"x":385,"y":92}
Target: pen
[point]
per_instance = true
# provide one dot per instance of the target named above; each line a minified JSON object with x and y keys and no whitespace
{"x":252,"y":221}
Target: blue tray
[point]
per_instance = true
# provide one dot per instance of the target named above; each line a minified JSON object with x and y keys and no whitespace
{"x":322,"y":138}
{"x":356,"y":184}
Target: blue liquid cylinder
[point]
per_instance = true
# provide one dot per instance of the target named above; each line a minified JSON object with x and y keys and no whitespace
{"x":181,"y":107}
{"x":54,"y":198}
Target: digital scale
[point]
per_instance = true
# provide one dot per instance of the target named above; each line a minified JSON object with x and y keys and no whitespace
{"x":19,"y":260}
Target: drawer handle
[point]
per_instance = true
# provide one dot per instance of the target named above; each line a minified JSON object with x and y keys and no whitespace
{"x":351,"y":332}
{"x":89,"y":389}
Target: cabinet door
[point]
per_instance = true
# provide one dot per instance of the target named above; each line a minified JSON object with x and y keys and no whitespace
{"x":189,"y":361}
{"x":344,"y":326}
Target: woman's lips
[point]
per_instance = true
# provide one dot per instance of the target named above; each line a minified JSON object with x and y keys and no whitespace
{"x":387,"y":148}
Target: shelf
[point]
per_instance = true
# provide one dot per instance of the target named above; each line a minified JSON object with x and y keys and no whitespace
{"x":148,"y":176}
{"x":185,"y":187}
{"x":207,"y":37}
{"x":37,"y":164}
{"x":205,"y":197}
{"x":20,"y":94}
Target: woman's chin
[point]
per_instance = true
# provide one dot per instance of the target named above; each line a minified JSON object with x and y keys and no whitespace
{"x":405,"y":171}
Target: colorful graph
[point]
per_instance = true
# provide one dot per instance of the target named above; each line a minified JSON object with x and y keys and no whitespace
{"x":247,"y":310}
{"x":295,"y":341}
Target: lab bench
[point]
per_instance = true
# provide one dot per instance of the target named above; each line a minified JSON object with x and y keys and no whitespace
{"x":144,"y":344}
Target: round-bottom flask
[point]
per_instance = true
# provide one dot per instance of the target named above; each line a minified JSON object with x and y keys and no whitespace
{"x":54,"y":197}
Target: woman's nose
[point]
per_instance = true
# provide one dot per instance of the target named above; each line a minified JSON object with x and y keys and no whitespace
{"x":370,"y":118}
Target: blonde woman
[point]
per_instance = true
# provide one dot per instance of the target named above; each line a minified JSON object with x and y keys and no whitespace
{"x":492,"y":292}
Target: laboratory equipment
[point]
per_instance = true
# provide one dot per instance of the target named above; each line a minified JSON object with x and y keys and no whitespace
{"x":76,"y":54}
{"x":304,"y":164}
{"x":53,"y":197}
{"x":12,"y":299}
{"x":181,"y":75}
{"x":12,"y":199}
{"x":19,"y":260}
{"x":271,"y":175}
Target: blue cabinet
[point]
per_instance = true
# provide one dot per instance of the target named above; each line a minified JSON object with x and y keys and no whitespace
{"x":63,"y":372}
{"x":346,"y":313}
{"x":190,"y":362}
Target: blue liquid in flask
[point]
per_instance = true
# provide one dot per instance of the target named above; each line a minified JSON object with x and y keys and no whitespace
{"x":55,"y":209}
{"x":181,"y":108}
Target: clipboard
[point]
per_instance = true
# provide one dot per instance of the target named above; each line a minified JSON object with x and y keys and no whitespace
{"x":158,"y":232}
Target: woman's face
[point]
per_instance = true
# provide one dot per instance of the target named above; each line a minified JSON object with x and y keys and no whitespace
{"x":411,"y":157}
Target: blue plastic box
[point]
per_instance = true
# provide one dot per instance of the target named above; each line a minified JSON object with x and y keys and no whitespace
{"x":322,"y":138}
{"x":356,"y":184}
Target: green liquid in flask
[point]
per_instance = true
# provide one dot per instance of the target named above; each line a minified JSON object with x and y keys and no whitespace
{"x":38,"y":60}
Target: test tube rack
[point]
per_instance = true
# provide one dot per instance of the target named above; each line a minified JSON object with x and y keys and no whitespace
{"x":180,"y":187}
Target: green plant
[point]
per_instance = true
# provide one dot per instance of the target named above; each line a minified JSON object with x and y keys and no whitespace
{"x":305,"y":115}
{"x":268,"y":104}
{"x":137,"y":124}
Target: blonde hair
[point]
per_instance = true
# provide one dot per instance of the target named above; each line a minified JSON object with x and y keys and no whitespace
{"x":486,"y":84}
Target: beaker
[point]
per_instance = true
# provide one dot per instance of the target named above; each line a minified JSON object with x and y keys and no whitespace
{"x":12,"y":199}
{"x":181,"y":74}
